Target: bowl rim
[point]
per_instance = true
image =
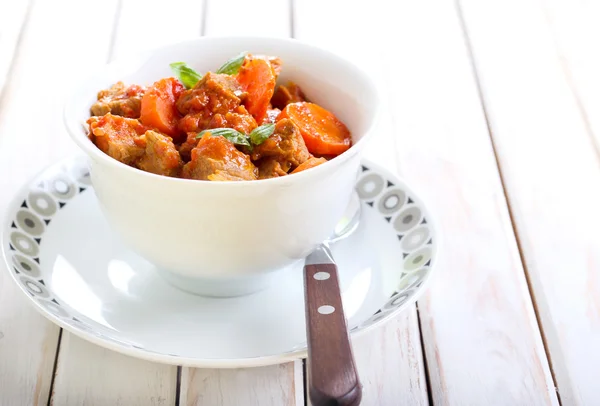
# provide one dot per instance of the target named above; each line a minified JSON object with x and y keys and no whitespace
{"x":75,"y":129}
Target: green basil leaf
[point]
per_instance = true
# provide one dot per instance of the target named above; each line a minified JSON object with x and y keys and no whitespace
{"x":186,"y":75}
{"x":232,"y":66}
{"x":232,"y":135}
{"x":260,"y":134}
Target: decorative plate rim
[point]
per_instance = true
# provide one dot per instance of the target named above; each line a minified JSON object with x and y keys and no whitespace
{"x":244,"y":362}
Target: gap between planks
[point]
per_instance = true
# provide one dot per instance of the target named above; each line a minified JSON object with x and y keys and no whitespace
{"x":424,"y":357}
{"x":51,"y":389}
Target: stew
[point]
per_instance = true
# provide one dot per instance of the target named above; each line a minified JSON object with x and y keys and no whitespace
{"x":233,"y":124}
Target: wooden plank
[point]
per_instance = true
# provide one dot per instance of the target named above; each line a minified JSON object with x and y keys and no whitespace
{"x":12,"y":18}
{"x":389,"y":359}
{"x":89,"y":374}
{"x":575,"y":30}
{"x":31,"y":137}
{"x":27,"y":347}
{"x":275,"y":385}
{"x":85,"y":372}
{"x":550,"y":168}
{"x":390,"y":363}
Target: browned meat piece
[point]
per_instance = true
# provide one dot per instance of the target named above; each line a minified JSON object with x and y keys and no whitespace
{"x":271,"y":168}
{"x":286,"y":145}
{"x":216,"y":158}
{"x":119,"y":100}
{"x":214,"y":93}
{"x":161,"y":156}
{"x":284,"y":95}
{"x":118,"y":137}
{"x":185,"y":149}
{"x":272,"y":115}
{"x":240,"y":122}
{"x":194,"y":122}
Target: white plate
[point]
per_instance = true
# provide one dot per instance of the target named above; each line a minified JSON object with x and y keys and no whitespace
{"x":72,"y":267}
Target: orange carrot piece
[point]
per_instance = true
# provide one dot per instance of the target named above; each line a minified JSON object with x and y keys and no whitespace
{"x":309,"y":163}
{"x":257,"y":78}
{"x":159,"y":110}
{"x":323,"y":133}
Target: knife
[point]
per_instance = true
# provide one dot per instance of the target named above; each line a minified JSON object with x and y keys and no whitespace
{"x":333,"y":379}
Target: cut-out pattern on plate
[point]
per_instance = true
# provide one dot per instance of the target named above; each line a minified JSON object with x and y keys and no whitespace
{"x":404,"y":213}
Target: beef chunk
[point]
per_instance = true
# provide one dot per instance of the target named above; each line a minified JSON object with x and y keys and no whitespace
{"x":194,"y":122}
{"x":119,"y":100}
{"x":240,"y":120}
{"x":216,"y":158}
{"x":286,"y":94}
{"x":272,"y":115}
{"x":286,"y":145}
{"x":214,"y":93}
{"x":243,"y":123}
{"x":161,"y":157}
{"x":185,"y":149}
{"x":119,"y":137}
{"x":272,"y":168}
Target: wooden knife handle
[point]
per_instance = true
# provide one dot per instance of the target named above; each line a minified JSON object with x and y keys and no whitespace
{"x":333,"y":379}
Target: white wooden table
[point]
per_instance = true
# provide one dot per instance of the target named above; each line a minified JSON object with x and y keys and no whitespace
{"x":491,"y":109}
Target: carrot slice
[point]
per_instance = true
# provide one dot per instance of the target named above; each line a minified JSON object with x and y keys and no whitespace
{"x":309,"y":163}
{"x":257,"y":78}
{"x":159,"y":110}
{"x":323,"y":133}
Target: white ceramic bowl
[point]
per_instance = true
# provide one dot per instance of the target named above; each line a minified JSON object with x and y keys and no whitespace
{"x":226,"y":238}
